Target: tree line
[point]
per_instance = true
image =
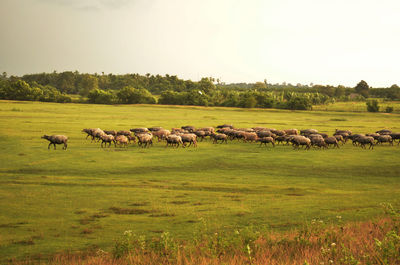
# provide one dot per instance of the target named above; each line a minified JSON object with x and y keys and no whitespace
{"x":171,"y":90}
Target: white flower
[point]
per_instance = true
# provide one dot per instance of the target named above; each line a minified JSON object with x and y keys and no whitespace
{"x":333,"y":244}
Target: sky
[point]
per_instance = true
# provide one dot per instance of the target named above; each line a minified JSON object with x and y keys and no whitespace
{"x":295,"y":41}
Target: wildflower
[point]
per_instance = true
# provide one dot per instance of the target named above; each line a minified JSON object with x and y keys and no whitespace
{"x":333,"y":244}
{"x":331,"y":261}
{"x":338,"y":217}
{"x":128,"y":233}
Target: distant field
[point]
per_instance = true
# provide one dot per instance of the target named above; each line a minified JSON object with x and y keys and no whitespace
{"x":55,"y":200}
{"x":358,"y":106}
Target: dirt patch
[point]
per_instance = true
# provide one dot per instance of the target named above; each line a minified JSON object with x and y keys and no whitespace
{"x":295,"y":194}
{"x":118,"y":210}
{"x":240,"y":214}
{"x":87,"y":231}
{"x":25,"y":242}
{"x":12,"y":225}
{"x":162,"y":215}
{"x":179,"y":202}
{"x":136,"y":204}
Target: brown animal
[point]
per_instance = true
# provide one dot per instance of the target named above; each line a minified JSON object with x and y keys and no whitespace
{"x":332,"y":141}
{"x":200,"y":134}
{"x":298,"y":140}
{"x":385,"y":139}
{"x":384,"y":131}
{"x":145,"y":139}
{"x":308,"y":131}
{"x":319,"y":142}
{"x":139,"y":130}
{"x":363,"y":140}
{"x":262,"y":134}
{"x":281,"y":139}
{"x":56,"y":139}
{"x":188,"y":128}
{"x":174,"y":140}
{"x":340,"y":138}
{"x":124,"y":132}
{"x":94,"y":133}
{"x":155,"y":129}
{"x":230,"y":126}
{"x":112,"y":132}
{"x":348,"y":132}
{"x":161,"y":134}
{"x":121,"y":140}
{"x":291,"y":132}
{"x":395,"y":136}
{"x":219,"y":137}
{"x":250,"y":136}
{"x":278,"y":132}
{"x":107,"y":138}
{"x":189,"y":138}
{"x":266,"y":140}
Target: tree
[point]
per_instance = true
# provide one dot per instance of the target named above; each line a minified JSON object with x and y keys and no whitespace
{"x":86,"y":84}
{"x":393,"y":92}
{"x":372,"y":105}
{"x":130,"y":95}
{"x":99,"y":96}
{"x":247,"y":100}
{"x":340,"y":91}
{"x":20,"y":90}
{"x":206,"y":85}
{"x":260,"y":85}
{"x":299,"y":103}
{"x":362,"y":88}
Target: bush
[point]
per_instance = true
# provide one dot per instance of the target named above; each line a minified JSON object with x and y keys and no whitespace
{"x":389,"y":109}
{"x":373,"y":105}
{"x":99,"y":96}
{"x":299,"y":103}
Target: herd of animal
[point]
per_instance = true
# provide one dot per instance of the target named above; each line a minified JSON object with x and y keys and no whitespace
{"x":189,"y":135}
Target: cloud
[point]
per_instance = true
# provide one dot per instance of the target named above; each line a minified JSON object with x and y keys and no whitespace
{"x":90,"y":5}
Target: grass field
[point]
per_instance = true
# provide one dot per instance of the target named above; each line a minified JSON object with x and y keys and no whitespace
{"x":55,"y":200}
{"x":358,"y":106}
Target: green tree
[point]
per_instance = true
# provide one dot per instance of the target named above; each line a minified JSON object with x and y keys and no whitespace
{"x":247,"y":100}
{"x":99,"y":96}
{"x":130,"y":95}
{"x":259,"y":86}
{"x":393,"y":92}
{"x":20,"y":90}
{"x":340,"y":91}
{"x":373,"y":105}
{"x":299,"y":103}
{"x":362,"y":88}
{"x":87,"y":83}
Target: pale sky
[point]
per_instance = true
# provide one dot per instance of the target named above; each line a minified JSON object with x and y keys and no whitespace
{"x":296,"y":41}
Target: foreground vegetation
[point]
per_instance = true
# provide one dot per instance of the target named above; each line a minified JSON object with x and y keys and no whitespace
{"x":371,"y":242}
{"x":86,"y":197}
{"x":170,"y":90}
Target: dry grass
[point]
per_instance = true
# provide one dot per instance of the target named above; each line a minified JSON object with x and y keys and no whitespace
{"x":353,"y":243}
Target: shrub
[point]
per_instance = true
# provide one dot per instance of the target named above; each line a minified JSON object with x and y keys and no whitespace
{"x":389,"y":109}
{"x":372,"y":105}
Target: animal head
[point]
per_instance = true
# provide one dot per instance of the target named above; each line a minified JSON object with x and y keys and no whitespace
{"x":44,"y":137}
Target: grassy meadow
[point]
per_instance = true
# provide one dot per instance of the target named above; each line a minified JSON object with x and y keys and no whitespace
{"x":55,"y":200}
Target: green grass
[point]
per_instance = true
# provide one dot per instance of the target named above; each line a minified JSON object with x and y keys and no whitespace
{"x":358,"y":106}
{"x":55,"y":200}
